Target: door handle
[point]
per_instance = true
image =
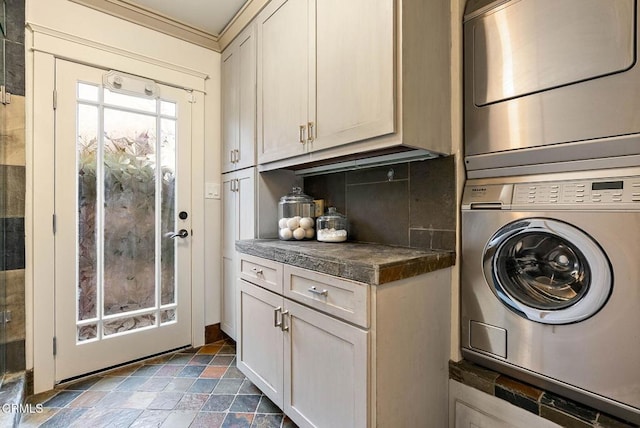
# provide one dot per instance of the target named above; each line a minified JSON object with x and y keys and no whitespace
{"x":302,"y":129}
{"x":283,"y":326}
{"x":314,"y":290}
{"x":182,"y":233}
{"x":310,"y":132}
{"x":276,"y":322}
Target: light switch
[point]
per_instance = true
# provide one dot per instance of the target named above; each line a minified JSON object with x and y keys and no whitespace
{"x":212,"y":191}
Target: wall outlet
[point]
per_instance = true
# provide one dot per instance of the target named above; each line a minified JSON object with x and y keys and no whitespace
{"x":212,"y":191}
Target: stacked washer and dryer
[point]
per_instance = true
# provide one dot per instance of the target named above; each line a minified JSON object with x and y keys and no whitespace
{"x":550,"y":280}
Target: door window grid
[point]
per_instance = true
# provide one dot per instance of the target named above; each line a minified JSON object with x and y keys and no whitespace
{"x":93,"y":103}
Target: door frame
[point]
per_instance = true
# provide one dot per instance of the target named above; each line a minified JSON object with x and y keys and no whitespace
{"x":40,"y":131}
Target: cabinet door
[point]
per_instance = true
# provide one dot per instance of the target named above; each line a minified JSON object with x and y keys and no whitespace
{"x":472,"y":408}
{"x":246,"y":156}
{"x":230,"y":107}
{"x":246,"y":203}
{"x":229,"y":235}
{"x":283,"y":76}
{"x":259,"y":354}
{"x":238,"y":222}
{"x":354,"y":82}
{"x":467,"y":417}
{"x":239,"y":102}
{"x":325,"y":370}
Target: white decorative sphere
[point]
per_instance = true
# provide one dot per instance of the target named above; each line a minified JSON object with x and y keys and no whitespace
{"x":282,"y":223}
{"x":309,"y":233}
{"x":286,"y":233}
{"x":293,"y":223}
{"x":299,"y":233}
{"x":306,"y":222}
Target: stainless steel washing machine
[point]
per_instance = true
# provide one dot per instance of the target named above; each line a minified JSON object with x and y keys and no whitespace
{"x":550,"y":283}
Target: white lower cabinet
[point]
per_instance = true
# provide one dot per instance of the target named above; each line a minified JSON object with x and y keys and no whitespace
{"x":471,"y":408}
{"x":312,"y":366}
{"x":260,"y":340}
{"x":322,"y":358}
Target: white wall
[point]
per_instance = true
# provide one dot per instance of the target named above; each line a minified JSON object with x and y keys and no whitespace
{"x":60,"y":28}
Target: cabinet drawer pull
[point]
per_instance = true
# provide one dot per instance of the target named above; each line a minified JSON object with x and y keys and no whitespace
{"x":310,"y":131}
{"x":302,"y":127}
{"x":231,"y":157}
{"x":314,"y":290}
{"x":257,"y":271}
{"x":236,"y":155}
{"x":283,"y":326}
{"x":277,"y":323}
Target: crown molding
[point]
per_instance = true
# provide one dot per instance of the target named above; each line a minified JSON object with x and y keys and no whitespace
{"x":244,"y":16}
{"x":155,"y":21}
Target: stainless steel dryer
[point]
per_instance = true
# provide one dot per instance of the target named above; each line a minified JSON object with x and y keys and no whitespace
{"x":550,"y":283}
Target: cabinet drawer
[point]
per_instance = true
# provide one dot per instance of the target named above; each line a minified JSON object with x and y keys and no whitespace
{"x":262,"y":272}
{"x":342,"y":298}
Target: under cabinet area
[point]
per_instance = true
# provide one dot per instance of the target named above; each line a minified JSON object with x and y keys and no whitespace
{"x":331,"y":351}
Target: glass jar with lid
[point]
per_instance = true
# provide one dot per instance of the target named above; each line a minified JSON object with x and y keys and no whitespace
{"x":332,"y":227}
{"x":296,"y":216}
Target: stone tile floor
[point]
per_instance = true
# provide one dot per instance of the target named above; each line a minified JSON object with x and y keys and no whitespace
{"x":199,"y":387}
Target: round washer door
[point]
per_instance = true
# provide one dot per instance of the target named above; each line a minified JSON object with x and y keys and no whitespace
{"x":547,"y":271}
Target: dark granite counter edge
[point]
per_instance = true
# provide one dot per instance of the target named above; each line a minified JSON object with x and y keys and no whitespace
{"x":356,"y":270}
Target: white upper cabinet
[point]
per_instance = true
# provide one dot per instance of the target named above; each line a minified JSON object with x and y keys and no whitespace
{"x":353,"y":84}
{"x":239,"y":102}
{"x":338,"y":78}
{"x":283,"y":73}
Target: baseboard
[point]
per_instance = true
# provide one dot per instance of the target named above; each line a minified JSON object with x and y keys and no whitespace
{"x":213,"y":333}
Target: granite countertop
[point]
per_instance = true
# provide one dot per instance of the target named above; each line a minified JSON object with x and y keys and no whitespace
{"x":373,"y":264}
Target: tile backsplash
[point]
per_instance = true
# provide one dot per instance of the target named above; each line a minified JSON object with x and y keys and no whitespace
{"x":408,"y":204}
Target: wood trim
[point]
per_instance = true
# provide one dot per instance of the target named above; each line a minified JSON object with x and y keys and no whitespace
{"x":47,"y":40}
{"x":164,"y":24}
{"x":213,"y":333}
{"x":153,"y":20}
{"x":244,"y":16}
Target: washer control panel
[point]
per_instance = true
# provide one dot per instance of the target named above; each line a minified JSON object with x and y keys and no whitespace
{"x":612,"y":193}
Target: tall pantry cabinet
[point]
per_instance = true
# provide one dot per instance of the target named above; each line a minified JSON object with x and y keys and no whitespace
{"x":238,"y":163}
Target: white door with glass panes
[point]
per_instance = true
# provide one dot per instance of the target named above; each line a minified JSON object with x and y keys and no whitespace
{"x":122,"y":219}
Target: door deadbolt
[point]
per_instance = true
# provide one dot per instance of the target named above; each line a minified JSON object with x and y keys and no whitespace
{"x":183,"y":215}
